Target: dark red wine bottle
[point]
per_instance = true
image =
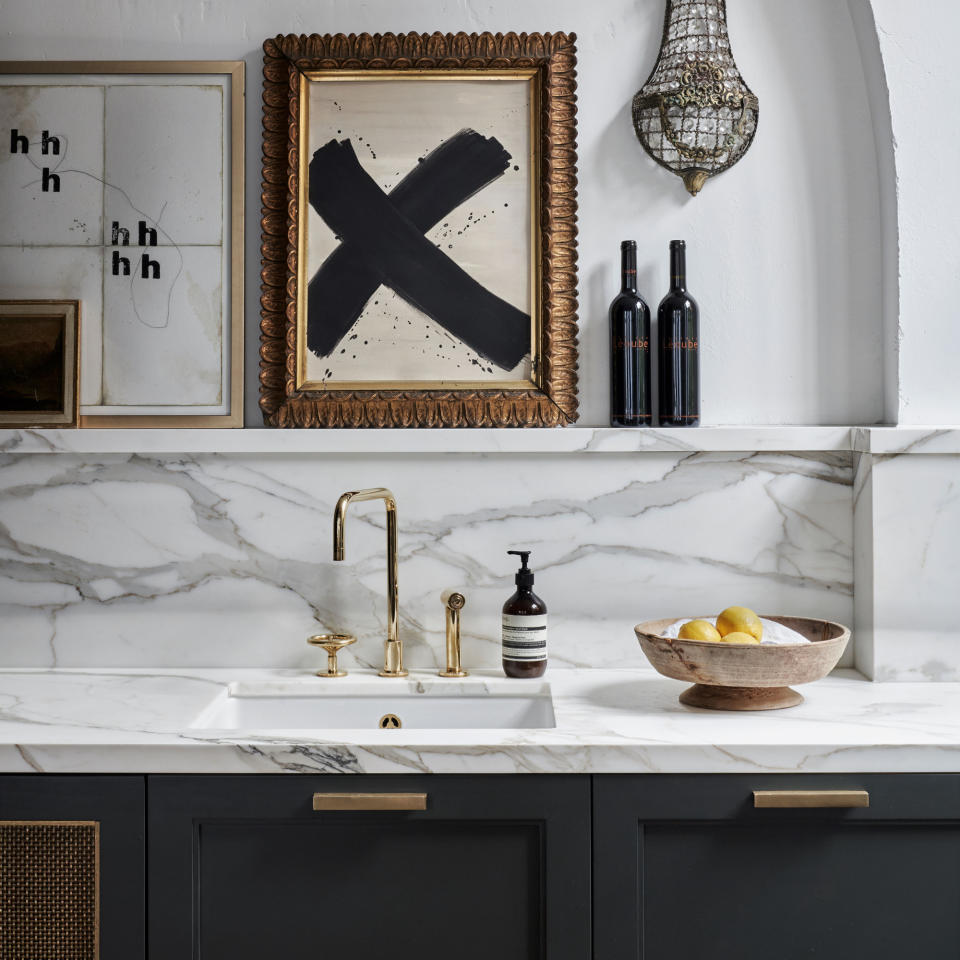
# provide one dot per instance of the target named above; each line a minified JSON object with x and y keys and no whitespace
{"x":629,"y":349}
{"x":678,"y":322}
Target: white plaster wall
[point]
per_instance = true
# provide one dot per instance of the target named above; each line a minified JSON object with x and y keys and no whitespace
{"x":919,"y":47}
{"x":784,"y":250}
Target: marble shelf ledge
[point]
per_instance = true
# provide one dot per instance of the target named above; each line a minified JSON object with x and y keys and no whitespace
{"x":892,"y":441}
{"x":572,"y":440}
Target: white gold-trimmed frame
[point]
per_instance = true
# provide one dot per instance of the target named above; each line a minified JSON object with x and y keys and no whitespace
{"x":231,"y":73}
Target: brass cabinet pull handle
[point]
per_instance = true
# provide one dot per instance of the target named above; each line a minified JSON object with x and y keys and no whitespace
{"x":810,"y":799}
{"x":369,"y":801}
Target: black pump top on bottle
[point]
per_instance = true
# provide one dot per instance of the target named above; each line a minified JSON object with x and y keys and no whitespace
{"x":524,"y":577}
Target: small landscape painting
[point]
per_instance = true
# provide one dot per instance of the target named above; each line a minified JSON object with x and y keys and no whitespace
{"x":31,"y":363}
{"x":38,"y":368}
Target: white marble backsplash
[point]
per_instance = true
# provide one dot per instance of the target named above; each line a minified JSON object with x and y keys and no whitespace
{"x":225,"y":559}
{"x":915,"y":620}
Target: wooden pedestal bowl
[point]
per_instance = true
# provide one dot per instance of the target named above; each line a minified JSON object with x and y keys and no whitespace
{"x":729,"y":676}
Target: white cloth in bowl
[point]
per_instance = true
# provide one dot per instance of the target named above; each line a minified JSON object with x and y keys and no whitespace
{"x":775,"y":634}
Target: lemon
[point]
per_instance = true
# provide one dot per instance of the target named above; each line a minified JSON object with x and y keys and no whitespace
{"x":700,"y":630}
{"x":737,"y":636}
{"x":740,"y":620}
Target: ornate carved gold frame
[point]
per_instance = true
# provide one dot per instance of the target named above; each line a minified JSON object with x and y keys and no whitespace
{"x":552,"y":400}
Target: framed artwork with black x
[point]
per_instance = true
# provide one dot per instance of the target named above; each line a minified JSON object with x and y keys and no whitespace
{"x":419,"y":231}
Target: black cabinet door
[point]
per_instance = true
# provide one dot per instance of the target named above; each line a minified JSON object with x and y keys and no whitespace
{"x":71,"y":867}
{"x":685,"y":868}
{"x":495,"y":868}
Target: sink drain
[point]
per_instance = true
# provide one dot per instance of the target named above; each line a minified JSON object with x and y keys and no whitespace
{"x":390,"y":721}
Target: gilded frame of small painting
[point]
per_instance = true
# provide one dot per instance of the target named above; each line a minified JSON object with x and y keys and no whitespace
{"x":419,"y":231}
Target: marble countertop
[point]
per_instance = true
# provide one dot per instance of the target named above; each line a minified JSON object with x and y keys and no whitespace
{"x":607,"y":721}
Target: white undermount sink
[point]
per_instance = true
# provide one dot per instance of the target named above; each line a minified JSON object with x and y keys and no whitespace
{"x":378,"y":704}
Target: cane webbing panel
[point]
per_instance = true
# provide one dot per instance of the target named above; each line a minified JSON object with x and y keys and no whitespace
{"x":49,"y":890}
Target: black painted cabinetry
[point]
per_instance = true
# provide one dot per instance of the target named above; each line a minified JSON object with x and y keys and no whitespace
{"x":495,"y":868}
{"x":638,"y":867}
{"x":71,"y":867}
{"x":685,"y":868}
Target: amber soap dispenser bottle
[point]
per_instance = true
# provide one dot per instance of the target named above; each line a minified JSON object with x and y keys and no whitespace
{"x":524,"y":629}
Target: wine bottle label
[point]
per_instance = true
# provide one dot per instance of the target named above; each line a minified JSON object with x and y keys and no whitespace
{"x":524,"y":637}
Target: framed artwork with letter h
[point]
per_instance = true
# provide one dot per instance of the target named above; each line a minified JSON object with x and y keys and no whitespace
{"x":121,"y":186}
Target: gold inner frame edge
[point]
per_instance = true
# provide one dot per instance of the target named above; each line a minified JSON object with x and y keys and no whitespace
{"x":532,"y":74}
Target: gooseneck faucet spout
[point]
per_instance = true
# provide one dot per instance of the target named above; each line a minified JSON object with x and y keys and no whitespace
{"x":393,"y":646}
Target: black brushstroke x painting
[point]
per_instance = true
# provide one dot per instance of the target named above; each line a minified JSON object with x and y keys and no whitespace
{"x":383,"y":242}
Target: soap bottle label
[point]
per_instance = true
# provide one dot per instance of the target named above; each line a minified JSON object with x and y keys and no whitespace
{"x":524,"y":637}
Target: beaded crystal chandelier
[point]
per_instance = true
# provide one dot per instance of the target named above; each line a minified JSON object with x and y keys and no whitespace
{"x":695,"y":115}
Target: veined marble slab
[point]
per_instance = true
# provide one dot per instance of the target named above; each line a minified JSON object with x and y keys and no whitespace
{"x":915,"y":616}
{"x":608,"y":721}
{"x":225,"y":560}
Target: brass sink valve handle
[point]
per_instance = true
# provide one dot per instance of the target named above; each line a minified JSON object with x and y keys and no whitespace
{"x":333,"y":643}
{"x":453,"y":603}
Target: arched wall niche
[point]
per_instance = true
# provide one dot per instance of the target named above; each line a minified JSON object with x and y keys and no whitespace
{"x":878,"y":96}
{"x":909,"y":55}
